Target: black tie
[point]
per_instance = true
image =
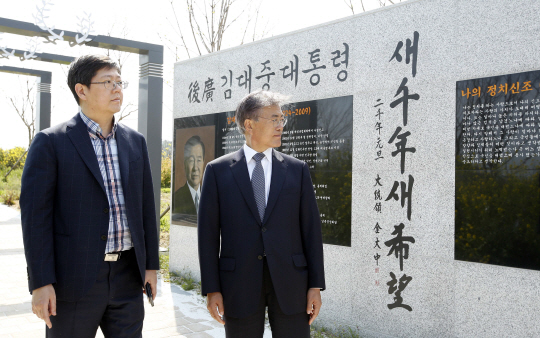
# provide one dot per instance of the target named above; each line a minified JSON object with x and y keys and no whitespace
{"x":257,"y":182}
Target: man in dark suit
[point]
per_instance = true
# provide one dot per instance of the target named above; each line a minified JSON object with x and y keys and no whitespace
{"x":260,"y":205}
{"x":186,"y":199}
{"x":88,"y":214}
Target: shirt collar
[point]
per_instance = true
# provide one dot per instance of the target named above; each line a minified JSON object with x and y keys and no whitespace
{"x":249,"y":153}
{"x":193,"y":191}
{"x":94,"y":128}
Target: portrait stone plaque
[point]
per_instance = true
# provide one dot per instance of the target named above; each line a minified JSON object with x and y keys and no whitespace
{"x":318,"y":132}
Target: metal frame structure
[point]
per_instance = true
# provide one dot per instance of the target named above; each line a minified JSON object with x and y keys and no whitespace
{"x":43,"y":102}
{"x":150,"y":84}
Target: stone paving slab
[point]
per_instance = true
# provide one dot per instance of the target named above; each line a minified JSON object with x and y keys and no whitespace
{"x":177,"y":313}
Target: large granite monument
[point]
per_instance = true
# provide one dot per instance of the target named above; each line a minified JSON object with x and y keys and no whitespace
{"x":420,"y":123}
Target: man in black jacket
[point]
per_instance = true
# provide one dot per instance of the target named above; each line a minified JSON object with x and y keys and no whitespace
{"x":88,"y":214}
{"x":259,"y":231}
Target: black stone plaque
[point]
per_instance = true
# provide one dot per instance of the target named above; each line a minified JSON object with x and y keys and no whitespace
{"x":497,"y":170}
{"x":318,"y":132}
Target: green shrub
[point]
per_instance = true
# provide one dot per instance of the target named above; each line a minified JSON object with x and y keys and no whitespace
{"x":164,"y":263}
{"x":165,"y":171}
{"x":10,"y":188}
{"x":342,"y":332}
{"x":11,"y":156}
{"x":188,"y":283}
{"x":165,"y":224}
{"x":184,"y":279}
{"x":9,"y":197}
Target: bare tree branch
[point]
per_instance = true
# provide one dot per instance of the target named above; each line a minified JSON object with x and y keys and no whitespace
{"x":235,"y":19}
{"x":211,"y":30}
{"x":209,"y":21}
{"x":350,"y":5}
{"x":179,"y":29}
{"x":170,"y":44}
{"x":223,"y":15}
{"x":245,"y":31}
{"x":191,"y":24}
{"x":25,"y":106}
{"x":256,"y":20}
{"x":201,"y":34}
{"x":124,"y":114}
{"x":118,"y":56}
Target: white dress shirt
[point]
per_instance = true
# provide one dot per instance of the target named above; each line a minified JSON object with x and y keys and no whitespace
{"x":266,"y":163}
{"x":194,"y":192}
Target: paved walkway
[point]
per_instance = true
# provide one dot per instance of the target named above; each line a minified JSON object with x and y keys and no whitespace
{"x":177,"y":313}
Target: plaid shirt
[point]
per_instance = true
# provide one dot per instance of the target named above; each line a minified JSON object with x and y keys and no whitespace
{"x":119,"y":237}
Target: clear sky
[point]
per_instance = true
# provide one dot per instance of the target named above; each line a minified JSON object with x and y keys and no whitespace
{"x":142,"y":21}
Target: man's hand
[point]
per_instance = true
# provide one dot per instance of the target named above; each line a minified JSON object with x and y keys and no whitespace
{"x":151,"y":277}
{"x":44,"y":303}
{"x":214,"y":304}
{"x":313,"y":303}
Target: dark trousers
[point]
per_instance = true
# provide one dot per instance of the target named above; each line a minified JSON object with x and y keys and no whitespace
{"x":282,"y":325}
{"x":114,"y":303}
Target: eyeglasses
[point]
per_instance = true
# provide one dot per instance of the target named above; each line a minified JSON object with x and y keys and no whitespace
{"x":112,"y":84}
{"x":277,"y":122}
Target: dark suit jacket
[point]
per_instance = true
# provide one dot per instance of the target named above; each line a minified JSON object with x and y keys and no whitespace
{"x":64,"y":207}
{"x":290,"y":234}
{"x":183,"y":201}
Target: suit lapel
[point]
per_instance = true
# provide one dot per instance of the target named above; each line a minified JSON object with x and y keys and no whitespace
{"x":122,"y":142}
{"x":78,"y":133}
{"x":279,"y":171}
{"x":241,"y":175}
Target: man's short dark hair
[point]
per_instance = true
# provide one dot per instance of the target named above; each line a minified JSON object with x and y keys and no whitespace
{"x":85,"y":67}
{"x":254,"y":101}
{"x":193,"y":141}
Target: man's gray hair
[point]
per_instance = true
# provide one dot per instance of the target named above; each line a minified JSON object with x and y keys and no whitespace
{"x":193,"y":141}
{"x":252,"y":102}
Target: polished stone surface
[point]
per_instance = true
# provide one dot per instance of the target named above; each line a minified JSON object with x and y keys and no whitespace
{"x":498,"y":170}
{"x":318,"y":132}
